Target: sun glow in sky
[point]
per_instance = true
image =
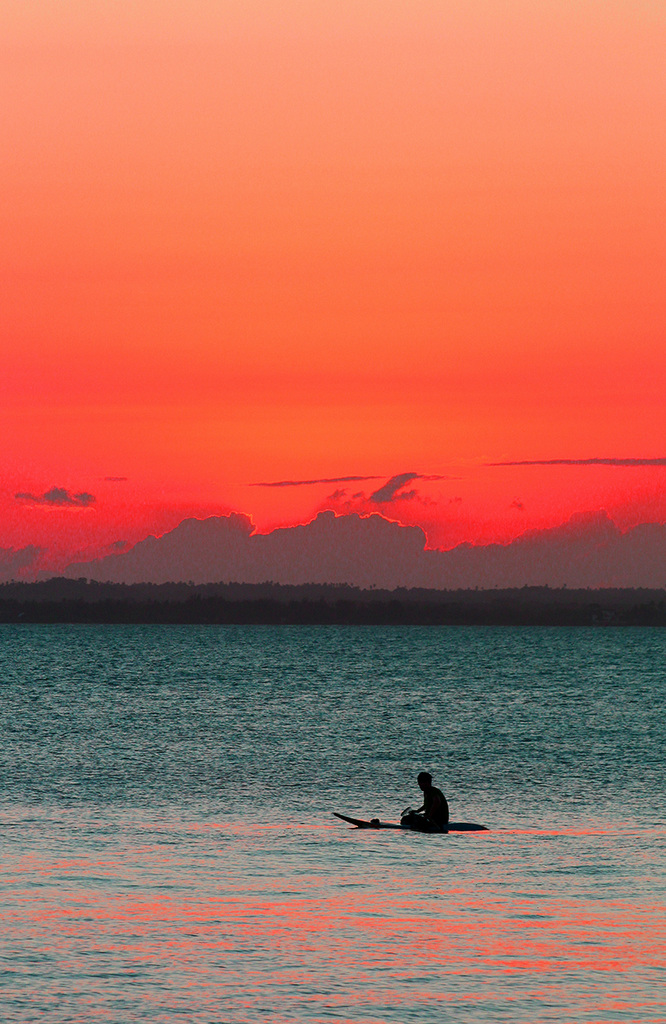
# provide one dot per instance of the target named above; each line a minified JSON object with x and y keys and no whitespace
{"x":267,"y":240}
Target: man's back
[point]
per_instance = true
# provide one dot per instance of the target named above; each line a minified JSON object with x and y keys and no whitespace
{"x":436,"y":807}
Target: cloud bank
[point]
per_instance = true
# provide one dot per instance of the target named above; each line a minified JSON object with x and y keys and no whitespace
{"x":365,"y":551}
{"x":337,"y":549}
{"x":15,"y":562}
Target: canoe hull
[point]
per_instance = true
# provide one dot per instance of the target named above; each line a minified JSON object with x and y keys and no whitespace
{"x":454,"y":826}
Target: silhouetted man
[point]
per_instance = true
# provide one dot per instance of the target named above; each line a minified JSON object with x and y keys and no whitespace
{"x":433,"y":815}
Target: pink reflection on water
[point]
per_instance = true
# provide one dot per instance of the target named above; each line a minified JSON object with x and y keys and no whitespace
{"x":457,"y":931}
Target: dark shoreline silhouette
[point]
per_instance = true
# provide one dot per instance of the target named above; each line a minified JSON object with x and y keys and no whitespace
{"x":71,"y":601}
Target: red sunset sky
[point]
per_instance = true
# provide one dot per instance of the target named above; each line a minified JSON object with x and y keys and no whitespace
{"x":255,"y":241}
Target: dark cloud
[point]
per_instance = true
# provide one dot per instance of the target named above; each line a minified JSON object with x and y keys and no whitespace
{"x":115,"y":479}
{"x":337,"y":495}
{"x":365,"y":550}
{"x":388,"y":491}
{"x":582,"y":462}
{"x":119,"y":545}
{"x":307,"y":483}
{"x":589,"y":550}
{"x":384,"y":494}
{"x":15,"y":562}
{"x":517,"y":504}
{"x":58,"y":496}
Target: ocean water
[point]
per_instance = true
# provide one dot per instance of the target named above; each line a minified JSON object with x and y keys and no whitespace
{"x":169,"y":852}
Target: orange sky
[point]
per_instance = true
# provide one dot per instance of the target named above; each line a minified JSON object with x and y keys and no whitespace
{"x":258,"y":240}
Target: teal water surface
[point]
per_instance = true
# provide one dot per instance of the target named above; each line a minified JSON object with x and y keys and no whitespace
{"x":169,"y":854}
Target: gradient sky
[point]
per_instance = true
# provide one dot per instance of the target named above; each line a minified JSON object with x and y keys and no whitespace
{"x":253,"y":241}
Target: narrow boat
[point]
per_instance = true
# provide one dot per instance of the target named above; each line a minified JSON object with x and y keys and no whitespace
{"x":454,"y":826}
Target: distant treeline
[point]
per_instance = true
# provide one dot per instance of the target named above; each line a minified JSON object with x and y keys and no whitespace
{"x":63,"y":600}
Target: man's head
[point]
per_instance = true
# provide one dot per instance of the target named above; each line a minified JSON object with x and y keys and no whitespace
{"x":424,"y":780}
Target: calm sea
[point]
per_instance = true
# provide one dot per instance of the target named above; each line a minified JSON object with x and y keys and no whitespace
{"x":169,"y":854}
